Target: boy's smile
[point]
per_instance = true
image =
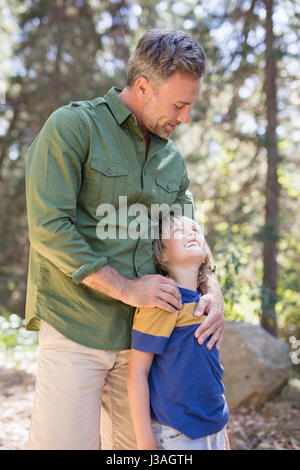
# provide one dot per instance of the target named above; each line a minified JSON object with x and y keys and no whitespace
{"x":193,"y":239}
{"x":191,"y":243}
{"x":186,"y":244}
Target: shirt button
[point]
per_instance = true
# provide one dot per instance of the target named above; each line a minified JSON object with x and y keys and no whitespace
{"x":109,"y":170}
{"x":168,"y":187}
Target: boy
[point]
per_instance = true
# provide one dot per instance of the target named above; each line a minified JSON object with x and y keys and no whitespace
{"x":175,"y":387}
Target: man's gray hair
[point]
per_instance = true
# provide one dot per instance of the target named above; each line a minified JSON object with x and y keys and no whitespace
{"x":159,"y":54}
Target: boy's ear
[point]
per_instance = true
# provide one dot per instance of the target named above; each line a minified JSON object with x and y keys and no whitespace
{"x":164,"y":257}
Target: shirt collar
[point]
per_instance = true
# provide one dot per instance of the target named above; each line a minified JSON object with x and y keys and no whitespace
{"x":189,"y":295}
{"x":121,"y":112}
{"x":117,"y":107}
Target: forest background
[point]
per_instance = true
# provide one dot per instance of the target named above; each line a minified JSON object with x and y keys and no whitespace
{"x":241,"y":145}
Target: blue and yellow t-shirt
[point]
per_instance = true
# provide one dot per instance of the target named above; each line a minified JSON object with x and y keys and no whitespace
{"x":185,"y":378}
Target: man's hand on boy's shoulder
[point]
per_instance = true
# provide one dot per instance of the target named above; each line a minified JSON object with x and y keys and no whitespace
{"x":152,"y":290}
{"x":212,"y":304}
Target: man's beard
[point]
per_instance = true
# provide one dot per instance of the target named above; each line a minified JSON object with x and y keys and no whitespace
{"x":162,"y":131}
{"x":159,"y":130}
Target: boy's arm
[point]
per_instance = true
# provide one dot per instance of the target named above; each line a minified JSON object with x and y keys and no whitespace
{"x":227,"y":440}
{"x":151,"y":330}
{"x":139,"y":398}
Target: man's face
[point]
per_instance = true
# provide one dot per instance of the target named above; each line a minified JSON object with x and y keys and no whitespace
{"x":170,"y":104}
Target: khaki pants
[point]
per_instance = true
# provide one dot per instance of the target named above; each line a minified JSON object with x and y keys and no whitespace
{"x":81,"y":399}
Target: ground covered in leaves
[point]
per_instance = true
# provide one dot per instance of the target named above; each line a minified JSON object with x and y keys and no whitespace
{"x":276,"y":425}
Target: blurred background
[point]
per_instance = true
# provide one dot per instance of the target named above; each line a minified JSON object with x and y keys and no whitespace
{"x":242,"y":149}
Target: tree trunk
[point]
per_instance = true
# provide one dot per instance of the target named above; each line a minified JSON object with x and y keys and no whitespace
{"x":271,"y":228}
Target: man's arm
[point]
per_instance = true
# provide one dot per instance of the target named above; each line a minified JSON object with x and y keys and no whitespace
{"x":212,"y":303}
{"x":151,"y":290}
{"x":53,"y":180}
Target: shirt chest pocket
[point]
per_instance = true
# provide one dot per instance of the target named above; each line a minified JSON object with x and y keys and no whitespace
{"x":166,"y":190}
{"x":105,"y":182}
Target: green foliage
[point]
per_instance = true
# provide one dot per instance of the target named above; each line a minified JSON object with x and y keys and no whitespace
{"x":18,"y":347}
{"x":13,"y":333}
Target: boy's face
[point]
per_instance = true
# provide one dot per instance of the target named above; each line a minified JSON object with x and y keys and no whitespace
{"x":186,"y":244}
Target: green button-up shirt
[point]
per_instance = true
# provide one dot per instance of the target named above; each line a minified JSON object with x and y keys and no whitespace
{"x":86,"y":154}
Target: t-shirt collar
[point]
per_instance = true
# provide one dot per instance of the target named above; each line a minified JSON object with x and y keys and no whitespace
{"x":189,"y":295}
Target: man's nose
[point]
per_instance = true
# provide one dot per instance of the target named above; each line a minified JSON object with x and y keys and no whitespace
{"x":184,"y":115}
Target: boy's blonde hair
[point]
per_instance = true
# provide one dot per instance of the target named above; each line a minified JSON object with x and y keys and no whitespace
{"x":164,"y":231}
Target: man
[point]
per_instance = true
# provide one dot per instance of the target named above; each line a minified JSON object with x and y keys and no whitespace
{"x":82,"y":288}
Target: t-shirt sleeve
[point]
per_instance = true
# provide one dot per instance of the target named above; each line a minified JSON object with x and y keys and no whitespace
{"x":152,"y":328}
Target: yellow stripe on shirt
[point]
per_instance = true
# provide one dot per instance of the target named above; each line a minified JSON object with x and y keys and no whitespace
{"x":186,"y":315}
{"x":158,"y":322}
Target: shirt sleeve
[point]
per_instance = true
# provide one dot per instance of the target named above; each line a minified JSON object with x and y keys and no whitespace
{"x":53,"y":181}
{"x":152,"y":328}
{"x":184,"y":195}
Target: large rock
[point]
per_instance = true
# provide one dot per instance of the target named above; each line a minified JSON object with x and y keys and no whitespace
{"x":256,"y":365}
